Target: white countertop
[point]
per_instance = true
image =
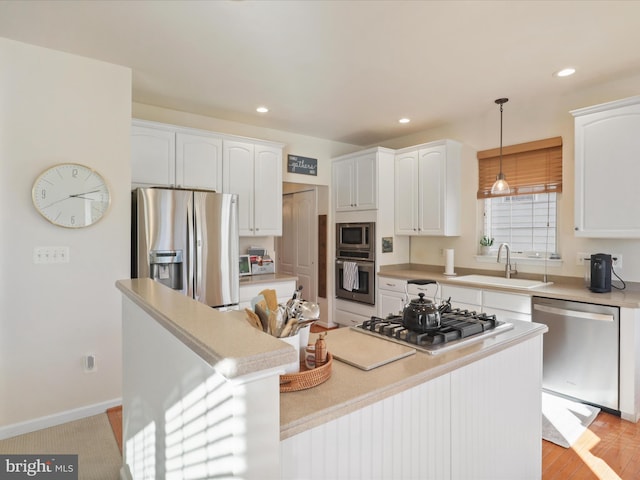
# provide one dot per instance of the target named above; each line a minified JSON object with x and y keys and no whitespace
{"x":564,"y":288}
{"x":350,"y":388}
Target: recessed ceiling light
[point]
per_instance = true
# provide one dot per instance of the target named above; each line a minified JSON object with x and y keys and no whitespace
{"x":262,"y":109}
{"x":404,"y":120}
{"x":565,"y":72}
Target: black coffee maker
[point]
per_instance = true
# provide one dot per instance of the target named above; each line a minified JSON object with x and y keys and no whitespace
{"x":600,"y":273}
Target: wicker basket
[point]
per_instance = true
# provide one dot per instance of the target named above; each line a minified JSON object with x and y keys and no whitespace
{"x":292,"y":382}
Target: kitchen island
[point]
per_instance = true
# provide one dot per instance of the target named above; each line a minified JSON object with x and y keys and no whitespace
{"x":201,"y":395}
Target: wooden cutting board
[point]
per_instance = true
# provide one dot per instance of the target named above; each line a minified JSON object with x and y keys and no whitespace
{"x":364,"y":351}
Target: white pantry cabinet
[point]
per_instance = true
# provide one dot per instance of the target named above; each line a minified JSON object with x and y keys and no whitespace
{"x":254,"y":172}
{"x":607,"y":149}
{"x":427,"y":189}
{"x":164,"y":155}
{"x":355,"y":182}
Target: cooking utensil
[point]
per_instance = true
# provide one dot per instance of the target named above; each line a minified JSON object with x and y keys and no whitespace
{"x":309,"y":310}
{"x":420,"y":314}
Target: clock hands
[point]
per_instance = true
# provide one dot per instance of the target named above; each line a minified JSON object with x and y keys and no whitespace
{"x":75,"y":195}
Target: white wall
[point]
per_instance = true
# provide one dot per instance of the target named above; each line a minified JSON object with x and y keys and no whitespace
{"x":525,"y":121}
{"x":59,"y":108}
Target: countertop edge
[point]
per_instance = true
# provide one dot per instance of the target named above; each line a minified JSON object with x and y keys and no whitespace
{"x":565,"y":288}
{"x":333,"y":412}
{"x":231,"y":367}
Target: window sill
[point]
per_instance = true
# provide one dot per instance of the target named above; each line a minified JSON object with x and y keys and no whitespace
{"x":517,"y":260}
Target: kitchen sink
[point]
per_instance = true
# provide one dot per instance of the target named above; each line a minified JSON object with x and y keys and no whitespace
{"x":501,"y":281}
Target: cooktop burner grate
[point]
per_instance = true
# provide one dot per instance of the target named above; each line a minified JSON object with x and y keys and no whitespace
{"x":457,"y":328}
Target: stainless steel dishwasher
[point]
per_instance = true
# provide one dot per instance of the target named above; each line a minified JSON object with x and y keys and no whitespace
{"x":581,"y":353}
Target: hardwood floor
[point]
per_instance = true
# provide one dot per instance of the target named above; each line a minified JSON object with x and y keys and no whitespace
{"x":609,"y":449}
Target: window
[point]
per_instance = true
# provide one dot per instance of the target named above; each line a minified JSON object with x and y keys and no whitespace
{"x":526,"y":219}
{"x":521,"y":221}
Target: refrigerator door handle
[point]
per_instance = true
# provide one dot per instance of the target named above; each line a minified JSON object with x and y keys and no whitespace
{"x":192,"y":268}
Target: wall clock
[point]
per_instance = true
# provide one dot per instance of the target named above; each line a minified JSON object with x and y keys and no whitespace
{"x":71,"y":195}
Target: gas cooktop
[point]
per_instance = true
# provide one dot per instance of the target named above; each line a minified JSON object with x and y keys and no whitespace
{"x":458,"y":328}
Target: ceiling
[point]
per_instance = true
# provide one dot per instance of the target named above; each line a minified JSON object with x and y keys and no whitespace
{"x":340,"y":70}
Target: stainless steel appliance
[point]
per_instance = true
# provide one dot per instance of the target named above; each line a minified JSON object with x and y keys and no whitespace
{"x":581,"y":350}
{"x":355,"y":262}
{"x":356,"y":240}
{"x":187,"y":240}
{"x":458,"y":328}
{"x":365,"y":292}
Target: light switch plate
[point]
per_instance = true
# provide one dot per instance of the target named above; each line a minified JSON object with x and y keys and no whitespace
{"x":51,"y":255}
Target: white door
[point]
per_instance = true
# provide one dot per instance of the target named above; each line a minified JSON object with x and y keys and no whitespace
{"x":267,"y":191}
{"x":298,"y":246}
{"x":432,"y":183}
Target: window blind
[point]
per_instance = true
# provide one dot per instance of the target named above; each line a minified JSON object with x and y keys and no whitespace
{"x":533,"y":167}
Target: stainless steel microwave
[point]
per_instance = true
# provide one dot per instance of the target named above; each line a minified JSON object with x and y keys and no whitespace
{"x":356,"y":240}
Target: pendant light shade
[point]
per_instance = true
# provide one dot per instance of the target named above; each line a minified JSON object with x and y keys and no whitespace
{"x":500,"y":187}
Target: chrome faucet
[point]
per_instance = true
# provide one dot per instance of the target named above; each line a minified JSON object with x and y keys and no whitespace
{"x":508,"y":271}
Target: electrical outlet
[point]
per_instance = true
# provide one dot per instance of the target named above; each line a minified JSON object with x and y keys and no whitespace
{"x":580,"y":256}
{"x":90,"y":364}
{"x":616,"y":261}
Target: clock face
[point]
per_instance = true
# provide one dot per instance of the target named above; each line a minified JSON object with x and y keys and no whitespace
{"x":71,"y":195}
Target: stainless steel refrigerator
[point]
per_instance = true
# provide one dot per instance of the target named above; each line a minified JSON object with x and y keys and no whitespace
{"x":187,"y":240}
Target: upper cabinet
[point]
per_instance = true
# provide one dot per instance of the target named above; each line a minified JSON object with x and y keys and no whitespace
{"x":427,"y":189}
{"x":355,"y":182}
{"x":164,"y":155}
{"x":607,"y":149}
{"x":173,"y":156}
{"x":254,"y":172}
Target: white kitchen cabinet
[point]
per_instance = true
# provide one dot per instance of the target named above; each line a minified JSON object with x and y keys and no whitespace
{"x":607,"y":148}
{"x":506,"y":306}
{"x":465,"y":298}
{"x":254,"y":172}
{"x":391,"y":296}
{"x":355,"y":182}
{"x":284,"y":290}
{"x":164,"y":155}
{"x":350,"y":314}
{"x":427,"y":189}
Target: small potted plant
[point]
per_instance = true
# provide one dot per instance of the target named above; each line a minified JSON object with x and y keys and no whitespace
{"x":485,"y":244}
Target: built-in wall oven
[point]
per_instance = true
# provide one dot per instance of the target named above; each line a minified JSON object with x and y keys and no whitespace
{"x":355,"y":262}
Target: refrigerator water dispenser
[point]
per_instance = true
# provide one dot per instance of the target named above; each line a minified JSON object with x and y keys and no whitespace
{"x":166,"y":267}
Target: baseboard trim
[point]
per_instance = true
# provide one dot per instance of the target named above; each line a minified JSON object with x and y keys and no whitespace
{"x":29,"y":426}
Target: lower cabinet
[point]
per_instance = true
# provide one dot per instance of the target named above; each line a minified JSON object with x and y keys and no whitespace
{"x":284,"y":290}
{"x":391,"y":296}
{"x":507,"y":305}
{"x":350,"y":314}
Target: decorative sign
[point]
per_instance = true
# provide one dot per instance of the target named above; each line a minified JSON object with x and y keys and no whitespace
{"x":303,"y":165}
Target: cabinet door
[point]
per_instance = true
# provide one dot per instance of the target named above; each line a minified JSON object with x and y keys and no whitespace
{"x":607,"y":147}
{"x":198,"y":161}
{"x":390,"y":303}
{"x":268,"y":191}
{"x":431,"y":174}
{"x":406,"y":193}
{"x":152,"y":156}
{"x":343,"y":178}
{"x":238,"y":175}
{"x":365,"y":182}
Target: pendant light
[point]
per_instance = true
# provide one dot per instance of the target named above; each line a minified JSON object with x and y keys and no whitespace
{"x":500,"y":187}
